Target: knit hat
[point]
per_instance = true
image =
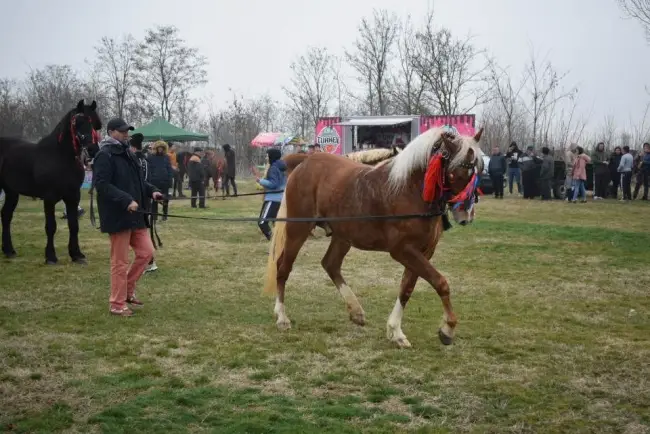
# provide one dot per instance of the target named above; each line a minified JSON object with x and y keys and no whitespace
{"x":136,"y":141}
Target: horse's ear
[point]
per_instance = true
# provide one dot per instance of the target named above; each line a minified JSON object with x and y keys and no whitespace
{"x":93,"y":105}
{"x":477,"y":136}
{"x":80,"y":106}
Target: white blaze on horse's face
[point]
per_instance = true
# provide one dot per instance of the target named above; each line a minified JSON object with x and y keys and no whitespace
{"x":462,"y":216}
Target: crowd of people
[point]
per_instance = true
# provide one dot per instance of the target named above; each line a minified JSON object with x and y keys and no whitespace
{"x":612,"y":172}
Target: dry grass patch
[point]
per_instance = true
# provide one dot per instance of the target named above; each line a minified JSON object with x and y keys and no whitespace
{"x":553,"y":331}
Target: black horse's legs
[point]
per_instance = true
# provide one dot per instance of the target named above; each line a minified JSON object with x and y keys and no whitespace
{"x":11,"y":201}
{"x":50,"y":230}
{"x":71,"y":209}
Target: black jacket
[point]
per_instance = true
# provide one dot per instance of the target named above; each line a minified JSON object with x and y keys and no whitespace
{"x":118,"y":180}
{"x":160,"y":170}
{"x":497,"y":165}
{"x":548,"y":167}
{"x":195,"y":169}
{"x":230,"y":162}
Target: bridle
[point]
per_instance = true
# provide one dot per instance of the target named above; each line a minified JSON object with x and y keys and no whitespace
{"x":77,"y":137}
{"x":436,"y":189}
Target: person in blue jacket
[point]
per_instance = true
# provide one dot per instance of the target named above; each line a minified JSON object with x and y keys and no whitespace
{"x":276,"y":179}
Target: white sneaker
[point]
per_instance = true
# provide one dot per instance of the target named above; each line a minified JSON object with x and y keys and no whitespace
{"x":151,"y":267}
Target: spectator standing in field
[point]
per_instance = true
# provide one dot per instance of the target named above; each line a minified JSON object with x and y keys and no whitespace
{"x":275,"y":179}
{"x":496,"y":170}
{"x":579,"y":174}
{"x":614,"y":161}
{"x":173,"y":161}
{"x":121,"y":190}
{"x":229,"y":171}
{"x":600,"y":161}
{"x":161,"y":175}
{"x":514,"y":173}
{"x":527,"y":164}
{"x":625,"y":170}
{"x":546,"y":174}
{"x":197,"y":175}
{"x":642,"y":167}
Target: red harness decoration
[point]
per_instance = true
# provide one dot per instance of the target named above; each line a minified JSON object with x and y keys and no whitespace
{"x":434,"y":179}
{"x":468,"y":195}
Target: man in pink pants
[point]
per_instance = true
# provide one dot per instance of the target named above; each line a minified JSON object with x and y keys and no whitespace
{"x":122,"y":195}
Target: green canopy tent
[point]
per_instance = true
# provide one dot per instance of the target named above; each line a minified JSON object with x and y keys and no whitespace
{"x":160,"y":129}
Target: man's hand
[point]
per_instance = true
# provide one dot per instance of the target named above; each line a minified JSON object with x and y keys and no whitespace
{"x":157,"y":196}
{"x":133,"y":206}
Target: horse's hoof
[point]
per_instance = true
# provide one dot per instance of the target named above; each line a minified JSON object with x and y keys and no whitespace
{"x":80,"y":261}
{"x":446,"y":340}
{"x":283,"y":325}
{"x":10,"y":255}
{"x":403,"y":343}
{"x":358,"y":318}
{"x":51,"y":262}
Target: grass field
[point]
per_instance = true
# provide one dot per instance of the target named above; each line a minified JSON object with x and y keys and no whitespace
{"x":553,"y":336}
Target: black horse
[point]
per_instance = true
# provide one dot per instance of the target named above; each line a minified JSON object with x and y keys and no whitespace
{"x":53,"y":170}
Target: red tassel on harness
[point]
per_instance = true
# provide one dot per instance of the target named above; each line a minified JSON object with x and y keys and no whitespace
{"x":433,"y":179}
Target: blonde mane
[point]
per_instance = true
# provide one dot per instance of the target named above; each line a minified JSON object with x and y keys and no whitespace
{"x":417,"y":153}
{"x":373,"y":156}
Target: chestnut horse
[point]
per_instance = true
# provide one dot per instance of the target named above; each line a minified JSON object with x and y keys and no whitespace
{"x":435,"y":170}
{"x":217,"y":164}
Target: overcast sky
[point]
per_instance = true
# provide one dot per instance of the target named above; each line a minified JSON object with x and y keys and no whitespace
{"x":250,"y":43}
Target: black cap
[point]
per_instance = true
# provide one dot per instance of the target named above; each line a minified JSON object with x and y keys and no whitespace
{"x":198,"y":149}
{"x":118,"y":124}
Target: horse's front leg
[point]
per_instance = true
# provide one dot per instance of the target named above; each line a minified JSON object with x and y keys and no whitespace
{"x":72,"y":210}
{"x":50,"y":230}
{"x":418,"y":263}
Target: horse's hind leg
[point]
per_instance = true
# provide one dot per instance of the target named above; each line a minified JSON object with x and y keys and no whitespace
{"x":296,"y":235}
{"x":7,"y":213}
{"x":332,"y":262}
{"x":71,"y":209}
{"x":394,"y":326}
{"x":50,"y":230}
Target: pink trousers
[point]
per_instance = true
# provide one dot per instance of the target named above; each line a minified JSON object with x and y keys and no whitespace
{"x":123,"y":277}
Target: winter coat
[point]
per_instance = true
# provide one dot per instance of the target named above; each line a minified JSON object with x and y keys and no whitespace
{"x":646,"y":162}
{"x":580,"y":167}
{"x":548,"y":168}
{"x":161,"y":173}
{"x":614,"y":161}
{"x":230,"y":163}
{"x":497,"y":165}
{"x":195,"y":170}
{"x":627,"y":161}
{"x":600,"y":160}
{"x":119,"y":179}
{"x":172,"y":160}
{"x":276,"y":179}
{"x":513,"y":157}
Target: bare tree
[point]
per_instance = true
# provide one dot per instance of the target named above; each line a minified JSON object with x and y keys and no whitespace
{"x":507,"y":96}
{"x":12,"y":109}
{"x":115,"y":64}
{"x":451,"y":69}
{"x":186,"y":112}
{"x":543,"y":91}
{"x":312,"y":86}
{"x":408,"y":88}
{"x":372,"y":56}
{"x":49,"y":93}
{"x":640,"y":129}
{"x":168,"y":69}
{"x":638,"y":10}
{"x":608,"y":130}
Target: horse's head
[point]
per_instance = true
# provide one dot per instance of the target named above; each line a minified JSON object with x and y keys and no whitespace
{"x":463,"y":166}
{"x":84,"y":122}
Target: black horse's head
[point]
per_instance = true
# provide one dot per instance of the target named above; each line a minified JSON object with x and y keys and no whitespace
{"x":84,"y":121}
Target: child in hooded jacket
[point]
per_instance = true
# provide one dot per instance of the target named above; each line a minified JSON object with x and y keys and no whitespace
{"x":274,"y":180}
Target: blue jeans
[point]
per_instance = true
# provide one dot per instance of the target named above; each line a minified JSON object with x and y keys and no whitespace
{"x":514,"y":174}
{"x":579,"y":189}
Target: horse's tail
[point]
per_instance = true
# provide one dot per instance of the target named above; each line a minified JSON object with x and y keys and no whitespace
{"x":275,"y":249}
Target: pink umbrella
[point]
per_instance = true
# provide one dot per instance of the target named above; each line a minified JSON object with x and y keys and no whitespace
{"x":264,"y":140}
